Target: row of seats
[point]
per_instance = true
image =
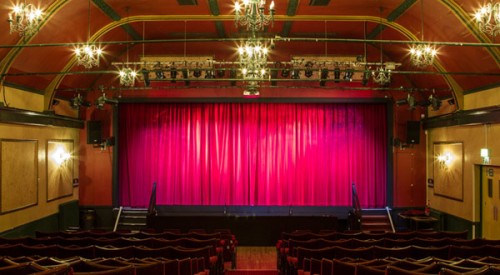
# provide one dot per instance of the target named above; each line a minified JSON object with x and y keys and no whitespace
{"x":212,"y":260}
{"x":371,"y":235}
{"x":397,"y":266}
{"x":102,"y":266}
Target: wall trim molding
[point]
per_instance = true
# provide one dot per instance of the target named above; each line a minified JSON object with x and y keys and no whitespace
{"x":23,"y":117}
{"x":465,"y":117}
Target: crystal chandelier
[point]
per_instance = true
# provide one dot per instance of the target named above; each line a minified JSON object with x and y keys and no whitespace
{"x":127,"y":77}
{"x":25,"y":19}
{"x":382,"y":75}
{"x":253,"y":60}
{"x":422,"y":55}
{"x":252,"y":14}
{"x":488,"y":18}
{"x":88,"y":55}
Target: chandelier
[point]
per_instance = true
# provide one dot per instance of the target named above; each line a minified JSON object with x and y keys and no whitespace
{"x":25,"y":19}
{"x":488,"y":18}
{"x":382,"y":75}
{"x":127,"y":77}
{"x":88,"y":55}
{"x":253,"y":60}
{"x":252,"y":14}
{"x":422,"y":55}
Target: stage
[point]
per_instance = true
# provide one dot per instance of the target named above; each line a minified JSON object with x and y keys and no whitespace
{"x":252,"y":225}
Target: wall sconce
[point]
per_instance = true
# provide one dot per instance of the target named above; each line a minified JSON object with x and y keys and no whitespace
{"x":59,"y":156}
{"x":485,"y":154}
{"x":445,"y":159}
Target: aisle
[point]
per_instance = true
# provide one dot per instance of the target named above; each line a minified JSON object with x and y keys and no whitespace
{"x":253,"y":260}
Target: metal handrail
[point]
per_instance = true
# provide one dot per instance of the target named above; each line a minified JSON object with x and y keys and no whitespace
{"x":390,"y":218}
{"x":118,"y":218}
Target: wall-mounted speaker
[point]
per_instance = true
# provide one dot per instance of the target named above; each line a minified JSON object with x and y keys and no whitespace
{"x":94,"y":132}
{"x":413,"y":132}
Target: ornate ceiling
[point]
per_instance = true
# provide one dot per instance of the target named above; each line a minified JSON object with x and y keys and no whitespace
{"x":375,"y":31}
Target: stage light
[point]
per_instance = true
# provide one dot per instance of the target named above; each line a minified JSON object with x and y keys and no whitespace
{"x":173,"y":74}
{"x":295,"y":74}
{"x":145,"y":75}
{"x":285,"y":72}
{"x":308,"y":72}
{"x":185,"y":75}
{"x":336,"y":74}
{"x":324,"y":76}
{"x":209,"y":74}
{"x":197,"y":73}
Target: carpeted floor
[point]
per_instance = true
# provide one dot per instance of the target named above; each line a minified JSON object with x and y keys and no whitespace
{"x":253,"y":260}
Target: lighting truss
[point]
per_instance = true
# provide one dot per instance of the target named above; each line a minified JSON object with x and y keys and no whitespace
{"x":25,"y":19}
{"x":251,"y":14}
{"x":488,"y":18}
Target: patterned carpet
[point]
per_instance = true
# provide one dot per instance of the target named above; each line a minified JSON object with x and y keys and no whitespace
{"x":253,"y":260}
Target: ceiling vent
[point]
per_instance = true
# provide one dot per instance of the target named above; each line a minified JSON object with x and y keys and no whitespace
{"x":319,"y":2}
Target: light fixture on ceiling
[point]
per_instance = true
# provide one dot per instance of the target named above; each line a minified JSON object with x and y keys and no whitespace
{"x":251,"y":14}
{"x":412,"y":103}
{"x":253,"y":60}
{"x":25,"y":19}
{"x":76,"y":102}
{"x":382,"y":75}
{"x":488,"y":18}
{"x":127,"y":76}
{"x":88,"y":55}
{"x":126,"y":73}
{"x":422,"y":55}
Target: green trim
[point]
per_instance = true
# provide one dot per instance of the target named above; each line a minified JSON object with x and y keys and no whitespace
{"x":482,"y":89}
{"x":46,"y":224}
{"x":116,"y":17}
{"x":221,"y":32}
{"x":292,"y":7}
{"x":214,"y":7}
{"x":15,"y":116}
{"x":23,"y":88}
{"x":287,"y":27}
{"x":468,"y":117}
{"x":449,"y":222}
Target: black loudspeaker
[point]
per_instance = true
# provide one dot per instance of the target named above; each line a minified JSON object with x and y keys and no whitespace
{"x":413,"y":132}
{"x":94,"y":132}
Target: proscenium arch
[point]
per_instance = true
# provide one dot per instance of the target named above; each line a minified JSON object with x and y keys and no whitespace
{"x":50,"y":90}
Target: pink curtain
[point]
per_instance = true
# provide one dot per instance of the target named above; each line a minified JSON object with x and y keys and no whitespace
{"x":253,"y":153}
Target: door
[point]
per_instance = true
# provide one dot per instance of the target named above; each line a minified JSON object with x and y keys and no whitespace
{"x":490,"y":199}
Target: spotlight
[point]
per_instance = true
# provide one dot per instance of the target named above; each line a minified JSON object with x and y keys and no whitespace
{"x":197,"y":73}
{"x":185,"y":75}
{"x":221,"y":73}
{"x":336,"y":74}
{"x":451,"y":101}
{"x":100,"y":101}
{"x":411,"y":101}
{"x":159,"y":71}
{"x":76,"y":102}
{"x":348,"y":74}
{"x":295,"y":74}
{"x":209,"y":74}
{"x":173,"y":74}
{"x":324,"y":76}
{"x":366,"y":77}
{"x":285,"y":72}
{"x":401,"y":101}
{"x":274,"y":76}
{"x":145,"y":75}
{"x":232,"y":75}
{"x":309,"y":72}
{"x":435,"y":102}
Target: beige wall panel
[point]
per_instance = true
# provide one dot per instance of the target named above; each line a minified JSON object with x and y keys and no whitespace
{"x":19,"y":174}
{"x":42,"y":135}
{"x":473,"y":137}
{"x":20,"y":99}
{"x":482,"y":99}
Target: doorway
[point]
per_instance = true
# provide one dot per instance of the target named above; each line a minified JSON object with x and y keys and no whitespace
{"x":490,"y":202}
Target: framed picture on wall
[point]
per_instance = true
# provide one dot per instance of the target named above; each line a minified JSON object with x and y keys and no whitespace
{"x":448,"y":170}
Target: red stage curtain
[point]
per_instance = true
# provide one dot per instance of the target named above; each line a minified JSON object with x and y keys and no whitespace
{"x":253,"y":153}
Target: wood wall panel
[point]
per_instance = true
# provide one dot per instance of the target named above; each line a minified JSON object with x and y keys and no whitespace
{"x":19,"y":174}
{"x":59,"y":173}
